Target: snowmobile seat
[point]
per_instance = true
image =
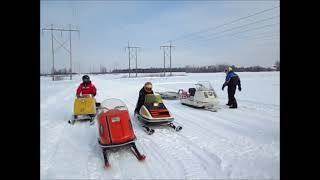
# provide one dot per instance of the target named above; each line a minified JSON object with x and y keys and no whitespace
{"x":192,"y":91}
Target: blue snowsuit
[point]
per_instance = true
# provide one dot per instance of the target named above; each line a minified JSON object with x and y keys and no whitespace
{"x":232,"y":81}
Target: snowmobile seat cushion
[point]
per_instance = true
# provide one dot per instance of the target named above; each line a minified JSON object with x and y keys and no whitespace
{"x":192,"y":91}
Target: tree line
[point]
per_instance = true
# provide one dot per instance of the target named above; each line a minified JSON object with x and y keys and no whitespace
{"x":187,"y":69}
{"x":201,"y":69}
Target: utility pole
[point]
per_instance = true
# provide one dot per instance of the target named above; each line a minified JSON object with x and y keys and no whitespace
{"x":61,"y":45}
{"x":52,"y":52}
{"x":164,"y":62}
{"x":170,"y":60}
{"x":70,"y":53}
{"x":164,"y":58}
{"x":136,"y":63}
{"x":129,"y":59}
{"x":133,"y":55}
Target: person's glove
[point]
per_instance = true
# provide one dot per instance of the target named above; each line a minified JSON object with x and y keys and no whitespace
{"x":224,"y":85}
{"x":239,"y":88}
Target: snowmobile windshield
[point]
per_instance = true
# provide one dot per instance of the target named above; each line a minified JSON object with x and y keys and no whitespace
{"x":114,"y":104}
{"x":153,"y":98}
{"x":204,"y":86}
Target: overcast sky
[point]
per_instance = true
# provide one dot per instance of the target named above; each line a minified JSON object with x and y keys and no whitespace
{"x":107,"y":26}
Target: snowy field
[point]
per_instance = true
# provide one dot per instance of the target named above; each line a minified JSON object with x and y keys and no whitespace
{"x":238,"y":143}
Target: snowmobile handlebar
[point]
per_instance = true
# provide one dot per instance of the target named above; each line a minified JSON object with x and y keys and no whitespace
{"x":85,"y":96}
{"x":103,"y":108}
{"x":119,"y":107}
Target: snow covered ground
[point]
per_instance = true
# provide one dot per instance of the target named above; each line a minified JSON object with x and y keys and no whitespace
{"x":228,"y":144}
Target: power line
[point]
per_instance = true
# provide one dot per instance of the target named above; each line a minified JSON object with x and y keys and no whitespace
{"x":237,"y":27}
{"x":266,"y":32}
{"x":232,"y":34}
{"x":258,"y":37}
{"x":260,"y":27}
{"x":230,"y":22}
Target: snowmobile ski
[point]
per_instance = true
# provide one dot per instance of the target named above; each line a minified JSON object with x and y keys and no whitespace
{"x":148,"y":130}
{"x":136,"y":152}
{"x":71,"y":122}
{"x":91,"y":122}
{"x":87,"y":118}
{"x":105,"y":157}
{"x":177,"y":128}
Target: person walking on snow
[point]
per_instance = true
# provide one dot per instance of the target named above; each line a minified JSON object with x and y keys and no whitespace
{"x":232,"y":81}
{"x":146,"y":89}
{"x":86,"y":87}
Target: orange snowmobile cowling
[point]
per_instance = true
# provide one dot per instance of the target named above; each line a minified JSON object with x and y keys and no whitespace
{"x":115,"y":127}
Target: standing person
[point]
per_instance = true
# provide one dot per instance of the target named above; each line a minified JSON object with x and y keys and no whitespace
{"x":86,"y":87}
{"x":232,"y":81}
{"x":146,"y":89}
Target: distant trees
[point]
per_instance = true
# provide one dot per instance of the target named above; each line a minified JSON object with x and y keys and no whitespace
{"x":197,"y":69}
{"x":63,"y":71}
{"x":103,"y":70}
{"x":187,"y":69}
{"x":277,"y":65}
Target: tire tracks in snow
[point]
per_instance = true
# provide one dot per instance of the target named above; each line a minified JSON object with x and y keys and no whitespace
{"x":52,"y":130}
{"x":230,"y":149}
{"x":190,"y":167}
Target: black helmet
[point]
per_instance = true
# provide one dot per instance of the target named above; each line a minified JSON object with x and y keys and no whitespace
{"x":85,"y":78}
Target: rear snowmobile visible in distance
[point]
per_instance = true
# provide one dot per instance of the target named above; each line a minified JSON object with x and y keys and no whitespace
{"x":115,"y":128}
{"x":170,"y":95}
{"x":203,"y":96}
{"x":154,"y":113}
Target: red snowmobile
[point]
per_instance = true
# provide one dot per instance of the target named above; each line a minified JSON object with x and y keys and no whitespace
{"x":115,"y":128}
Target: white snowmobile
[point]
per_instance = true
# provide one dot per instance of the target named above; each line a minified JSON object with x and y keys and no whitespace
{"x":203,"y":96}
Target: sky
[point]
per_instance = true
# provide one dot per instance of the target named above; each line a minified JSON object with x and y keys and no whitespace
{"x":195,"y":29}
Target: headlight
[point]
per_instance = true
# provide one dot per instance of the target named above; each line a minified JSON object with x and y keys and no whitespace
{"x":115,"y":119}
{"x":101,"y":129}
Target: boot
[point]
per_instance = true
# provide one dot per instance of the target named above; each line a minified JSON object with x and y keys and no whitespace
{"x":233,"y":106}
